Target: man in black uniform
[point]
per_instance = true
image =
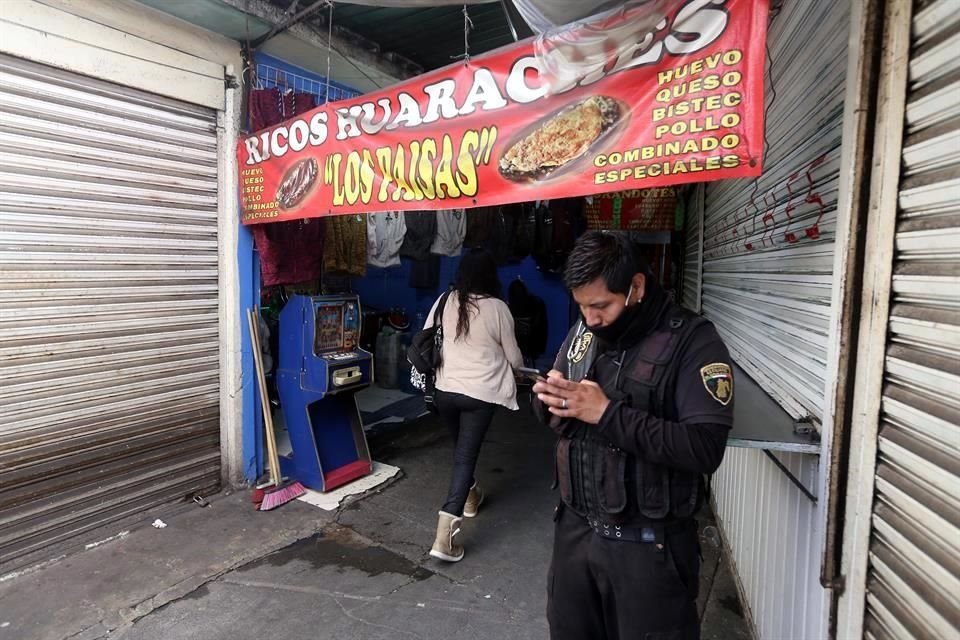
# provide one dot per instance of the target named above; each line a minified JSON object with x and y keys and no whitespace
{"x":642,"y":398}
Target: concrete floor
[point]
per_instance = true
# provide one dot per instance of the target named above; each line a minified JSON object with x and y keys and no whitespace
{"x":361,"y":573}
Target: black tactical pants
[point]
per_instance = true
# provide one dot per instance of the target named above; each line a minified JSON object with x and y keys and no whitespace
{"x":603,"y":589}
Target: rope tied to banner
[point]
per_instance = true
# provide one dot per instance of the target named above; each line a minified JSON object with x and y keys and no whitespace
{"x":326,"y":98}
{"x":467,"y":28}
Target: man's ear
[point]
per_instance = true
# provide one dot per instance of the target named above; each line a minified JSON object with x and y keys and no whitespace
{"x":639,"y":286}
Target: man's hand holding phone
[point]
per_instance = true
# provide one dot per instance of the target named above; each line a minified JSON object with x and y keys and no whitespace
{"x":528,"y":374}
{"x":584,"y":401}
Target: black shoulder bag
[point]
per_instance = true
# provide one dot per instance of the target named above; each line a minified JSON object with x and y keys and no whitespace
{"x":425,"y":356}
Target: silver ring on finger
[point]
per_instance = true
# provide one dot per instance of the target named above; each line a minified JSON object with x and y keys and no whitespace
{"x":564,"y":406}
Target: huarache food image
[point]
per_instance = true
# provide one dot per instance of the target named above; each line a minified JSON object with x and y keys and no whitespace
{"x":297,"y":183}
{"x":561,"y":138}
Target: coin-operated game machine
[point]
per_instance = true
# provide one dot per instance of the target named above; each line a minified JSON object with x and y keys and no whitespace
{"x":321,"y":367}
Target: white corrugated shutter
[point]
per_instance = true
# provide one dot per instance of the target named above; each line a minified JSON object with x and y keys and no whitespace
{"x":768,"y":245}
{"x":692,"y":250}
{"x":913,"y":588}
{"x":108,"y":304}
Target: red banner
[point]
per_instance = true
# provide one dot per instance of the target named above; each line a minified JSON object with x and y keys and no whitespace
{"x":637,"y":103}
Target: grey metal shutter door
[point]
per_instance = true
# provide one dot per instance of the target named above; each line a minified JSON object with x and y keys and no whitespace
{"x":108,"y":304}
{"x":913,"y":588}
{"x":693,"y":249}
{"x":768,"y":246}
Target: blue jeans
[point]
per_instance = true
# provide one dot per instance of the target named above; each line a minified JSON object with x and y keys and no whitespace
{"x":467,"y":419}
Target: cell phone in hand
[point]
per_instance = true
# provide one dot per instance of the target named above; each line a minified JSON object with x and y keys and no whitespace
{"x":532,"y":375}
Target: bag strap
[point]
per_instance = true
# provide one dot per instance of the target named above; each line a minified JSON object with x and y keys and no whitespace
{"x":438,"y":312}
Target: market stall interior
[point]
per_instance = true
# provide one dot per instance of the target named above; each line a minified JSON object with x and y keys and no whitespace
{"x":388,"y":269}
{"x":311,"y":242}
{"x":394,"y":264}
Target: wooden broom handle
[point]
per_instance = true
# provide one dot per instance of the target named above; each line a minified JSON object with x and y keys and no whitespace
{"x":272,"y":456}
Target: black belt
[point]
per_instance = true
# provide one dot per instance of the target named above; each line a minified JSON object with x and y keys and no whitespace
{"x":646,"y":535}
{"x":653,"y":533}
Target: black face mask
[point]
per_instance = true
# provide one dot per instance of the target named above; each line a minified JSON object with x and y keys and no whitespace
{"x":636,"y":320}
{"x":612,"y":333}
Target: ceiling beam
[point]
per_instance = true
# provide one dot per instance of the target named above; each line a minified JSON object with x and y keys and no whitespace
{"x":289,"y":22}
{"x":352,"y":47}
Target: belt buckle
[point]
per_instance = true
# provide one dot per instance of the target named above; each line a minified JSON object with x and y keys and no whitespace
{"x":648,"y":534}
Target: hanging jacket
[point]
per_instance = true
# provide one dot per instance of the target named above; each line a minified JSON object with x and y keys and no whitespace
{"x":500,"y":243}
{"x":529,"y":320}
{"x":421,"y":231}
{"x":543,"y":246}
{"x":346,"y":245}
{"x":451,"y":231}
{"x":385,"y":235}
{"x":524,"y":231}
{"x":481,"y":227}
{"x":290,"y":251}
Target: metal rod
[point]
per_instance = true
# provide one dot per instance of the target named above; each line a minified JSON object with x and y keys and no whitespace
{"x":326,"y":97}
{"x":286,"y":24}
{"x":789,"y":474}
{"x":506,"y":12}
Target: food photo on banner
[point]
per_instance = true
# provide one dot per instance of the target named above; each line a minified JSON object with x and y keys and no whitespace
{"x":618,"y":103}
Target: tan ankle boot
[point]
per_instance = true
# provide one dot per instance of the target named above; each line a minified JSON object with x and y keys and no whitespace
{"x":474,"y":500}
{"x":445,"y":547}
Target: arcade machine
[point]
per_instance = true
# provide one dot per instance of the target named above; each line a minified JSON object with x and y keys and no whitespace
{"x":321,"y":367}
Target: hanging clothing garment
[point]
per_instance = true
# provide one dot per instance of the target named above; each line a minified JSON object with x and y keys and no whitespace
{"x":421,"y":231}
{"x":385,"y":235}
{"x":346,"y":245}
{"x":524,"y":230}
{"x":529,"y":320}
{"x":268,"y":107}
{"x":296,"y":103}
{"x":481,"y":227}
{"x":543,"y":247}
{"x":500,"y":244}
{"x":292,"y":251}
{"x":451,"y":230}
{"x":289,"y":251}
{"x":568,"y":224}
{"x":425,"y":274}
{"x":559,"y":223}
{"x":265,"y":108}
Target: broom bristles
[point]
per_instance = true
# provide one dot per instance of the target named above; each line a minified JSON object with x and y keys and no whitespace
{"x":281,"y":496}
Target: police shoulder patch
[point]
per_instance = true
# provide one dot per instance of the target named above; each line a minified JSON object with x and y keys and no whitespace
{"x":718,"y":380}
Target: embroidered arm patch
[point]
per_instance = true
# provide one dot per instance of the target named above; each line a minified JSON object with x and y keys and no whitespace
{"x":718,"y":381}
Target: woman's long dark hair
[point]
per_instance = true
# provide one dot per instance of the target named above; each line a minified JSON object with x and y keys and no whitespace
{"x":476,"y":278}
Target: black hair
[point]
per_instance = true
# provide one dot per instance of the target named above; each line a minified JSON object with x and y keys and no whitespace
{"x":476,"y":277}
{"x":607,"y":255}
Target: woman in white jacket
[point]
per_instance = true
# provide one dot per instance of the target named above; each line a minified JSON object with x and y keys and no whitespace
{"x":476,"y":376}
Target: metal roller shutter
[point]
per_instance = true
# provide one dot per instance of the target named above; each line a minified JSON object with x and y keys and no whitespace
{"x":692,"y":254}
{"x":768,"y":246}
{"x":109,"y":342}
{"x":913,"y":588}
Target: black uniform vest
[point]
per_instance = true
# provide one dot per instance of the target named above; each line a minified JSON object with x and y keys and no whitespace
{"x":601,"y":481}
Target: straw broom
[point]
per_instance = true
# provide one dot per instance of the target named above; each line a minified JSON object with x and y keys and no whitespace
{"x":279,"y":491}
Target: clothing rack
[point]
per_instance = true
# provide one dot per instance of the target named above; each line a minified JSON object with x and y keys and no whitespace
{"x":269,"y":77}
